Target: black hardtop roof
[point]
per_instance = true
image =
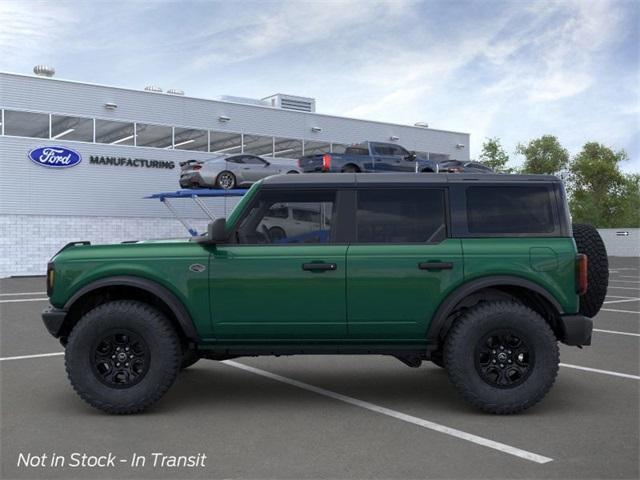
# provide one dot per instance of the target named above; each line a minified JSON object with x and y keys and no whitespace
{"x":391,"y":179}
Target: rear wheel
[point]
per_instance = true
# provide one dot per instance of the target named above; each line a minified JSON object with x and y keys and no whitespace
{"x":277,"y":233}
{"x":226,"y":180}
{"x":502,"y":357}
{"x":350,"y":169}
{"x":122,"y":356}
{"x":589,"y":242}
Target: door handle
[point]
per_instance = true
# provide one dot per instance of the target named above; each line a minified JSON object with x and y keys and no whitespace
{"x":319,"y":267}
{"x":435,"y":265}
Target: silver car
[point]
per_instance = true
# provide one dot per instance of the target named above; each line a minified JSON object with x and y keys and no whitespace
{"x":231,"y":171}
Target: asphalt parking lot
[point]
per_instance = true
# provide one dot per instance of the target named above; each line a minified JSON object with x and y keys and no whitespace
{"x":326,"y":417}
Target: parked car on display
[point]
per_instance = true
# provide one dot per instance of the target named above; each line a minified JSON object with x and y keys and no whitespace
{"x":372,"y":157}
{"x":482,"y":275}
{"x":231,"y":171}
{"x":460,"y":166}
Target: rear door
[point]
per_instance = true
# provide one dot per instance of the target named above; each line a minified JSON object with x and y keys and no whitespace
{"x":401,"y":264}
{"x":254,"y":168}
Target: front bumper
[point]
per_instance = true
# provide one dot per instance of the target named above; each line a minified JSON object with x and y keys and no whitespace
{"x":576,"y":330}
{"x":53,"y":319}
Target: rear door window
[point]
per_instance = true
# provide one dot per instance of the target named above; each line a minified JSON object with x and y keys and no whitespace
{"x":400,"y":216}
{"x":510,"y":210}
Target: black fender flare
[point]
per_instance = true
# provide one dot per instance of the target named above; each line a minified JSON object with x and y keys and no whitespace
{"x":439,"y":321}
{"x":175,"y":305}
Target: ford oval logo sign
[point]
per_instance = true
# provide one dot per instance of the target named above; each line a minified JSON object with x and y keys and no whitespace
{"x":55,"y":157}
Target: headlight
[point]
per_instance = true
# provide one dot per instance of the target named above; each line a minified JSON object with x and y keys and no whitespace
{"x":51,"y":277}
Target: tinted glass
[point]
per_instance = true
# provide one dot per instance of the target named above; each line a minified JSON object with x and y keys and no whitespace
{"x":357,"y":151}
{"x":225,"y":142}
{"x":504,"y":210}
{"x":313,"y":148}
{"x":258,"y":145}
{"x":157,"y":136}
{"x":287,"y":148}
{"x":268,"y":221}
{"x":71,"y":128}
{"x":26,"y":124}
{"x":400,"y":216}
{"x":190,"y":139}
{"x":114,"y":132}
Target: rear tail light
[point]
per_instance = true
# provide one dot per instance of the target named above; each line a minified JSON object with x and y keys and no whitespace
{"x":582,"y":280}
{"x":326,"y":162}
{"x":299,"y":163}
{"x":196,"y":167}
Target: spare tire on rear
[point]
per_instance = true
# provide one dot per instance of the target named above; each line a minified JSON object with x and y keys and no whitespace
{"x":590,"y":243}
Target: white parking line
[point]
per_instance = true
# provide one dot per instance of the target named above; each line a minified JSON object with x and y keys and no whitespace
{"x":485,"y":442}
{"x":596,"y":370}
{"x":625,"y":300}
{"x":628,"y":276}
{"x":24,"y":300}
{"x":23,"y":357}
{"x":21,"y":293}
{"x":618,"y":311}
{"x":616,"y":332}
{"x":623,"y":281}
{"x":623,"y":288}
{"x":617,"y":296}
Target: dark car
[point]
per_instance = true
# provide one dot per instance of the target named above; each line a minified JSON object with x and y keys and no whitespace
{"x":460,"y":166}
{"x":369,"y":157}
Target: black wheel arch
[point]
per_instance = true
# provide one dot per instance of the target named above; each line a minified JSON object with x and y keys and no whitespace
{"x":526,"y":291}
{"x":130,"y":287}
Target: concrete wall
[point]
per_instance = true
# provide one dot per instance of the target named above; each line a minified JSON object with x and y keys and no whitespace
{"x":621,"y":245}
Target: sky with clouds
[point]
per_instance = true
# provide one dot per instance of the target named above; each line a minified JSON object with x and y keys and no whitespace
{"x":514,"y":70}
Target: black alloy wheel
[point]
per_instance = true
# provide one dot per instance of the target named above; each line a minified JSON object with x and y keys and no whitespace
{"x":120,"y":359}
{"x":503,"y":359}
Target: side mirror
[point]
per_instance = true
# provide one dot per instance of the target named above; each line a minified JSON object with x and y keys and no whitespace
{"x":266,"y":164}
{"x":216,"y":232}
{"x":412,"y":156}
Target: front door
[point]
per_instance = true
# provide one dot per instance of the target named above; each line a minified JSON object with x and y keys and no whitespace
{"x":282,"y":281}
{"x":401,"y":265}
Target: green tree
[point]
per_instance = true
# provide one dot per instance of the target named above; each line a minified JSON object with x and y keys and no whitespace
{"x":600,"y":193}
{"x":494,"y":156}
{"x":543,"y":155}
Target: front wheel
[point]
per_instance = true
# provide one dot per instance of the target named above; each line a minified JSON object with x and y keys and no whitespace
{"x":122,"y":356}
{"x":502,"y":357}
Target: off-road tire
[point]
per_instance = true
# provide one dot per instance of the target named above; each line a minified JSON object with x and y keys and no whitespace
{"x":464,"y":339}
{"x":589,"y":242}
{"x":161,"y":341}
{"x":437,"y":359}
{"x":234,"y":180}
{"x":189,"y":357}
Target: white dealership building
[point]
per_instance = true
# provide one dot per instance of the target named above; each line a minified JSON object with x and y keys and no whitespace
{"x":129,"y":144}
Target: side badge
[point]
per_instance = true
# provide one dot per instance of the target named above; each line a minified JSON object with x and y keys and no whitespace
{"x":197,"y":268}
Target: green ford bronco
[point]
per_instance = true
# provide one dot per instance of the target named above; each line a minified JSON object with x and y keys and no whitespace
{"x":480,"y":274}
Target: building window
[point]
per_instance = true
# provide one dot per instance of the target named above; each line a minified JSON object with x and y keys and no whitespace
{"x":114,"y":133}
{"x":315,"y":148}
{"x":71,"y":128}
{"x":157,"y":136}
{"x":225,"y":142}
{"x":338,"y":147}
{"x":190,"y":139}
{"x":287,"y":148}
{"x":258,"y":145}
{"x":26,"y":124}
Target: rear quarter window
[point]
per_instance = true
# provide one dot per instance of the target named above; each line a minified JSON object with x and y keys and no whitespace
{"x":503,"y":210}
